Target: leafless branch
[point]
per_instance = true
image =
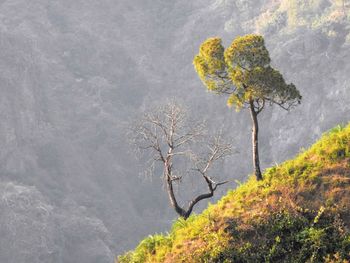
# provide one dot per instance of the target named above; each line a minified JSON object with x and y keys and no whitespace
{"x":166,"y":135}
{"x":284,"y":104}
{"x":260,"y":104}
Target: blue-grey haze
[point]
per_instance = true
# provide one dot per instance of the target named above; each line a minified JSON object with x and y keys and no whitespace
{"x":74,"y":73}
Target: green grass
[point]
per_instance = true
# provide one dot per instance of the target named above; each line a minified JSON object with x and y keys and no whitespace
{"x":300,"y":212}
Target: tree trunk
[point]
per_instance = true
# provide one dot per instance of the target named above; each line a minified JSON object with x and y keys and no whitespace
{"x":180,"y":211}
{"x":173,"y":202}
{"x":170,"y":189}
{"x":255,"y":133}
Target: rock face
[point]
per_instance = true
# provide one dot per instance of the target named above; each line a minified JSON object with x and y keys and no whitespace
{"x":34,"y":231}
{"x":74,"y":73}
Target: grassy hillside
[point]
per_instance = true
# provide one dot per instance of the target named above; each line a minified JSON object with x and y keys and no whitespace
{"x":300,"y":212}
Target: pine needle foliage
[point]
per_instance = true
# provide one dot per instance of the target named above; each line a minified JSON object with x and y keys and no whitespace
{"x":243,"y":72}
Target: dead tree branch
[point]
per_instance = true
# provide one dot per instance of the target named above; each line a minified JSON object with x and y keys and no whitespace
{"x":166,"y":134}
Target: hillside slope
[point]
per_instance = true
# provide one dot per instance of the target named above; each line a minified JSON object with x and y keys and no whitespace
{"x":75,"y":72}
{"x":300,"y":212}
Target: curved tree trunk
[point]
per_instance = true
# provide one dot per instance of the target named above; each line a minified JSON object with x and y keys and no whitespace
{"x":255,"y":142}
{"x":179,"y":210}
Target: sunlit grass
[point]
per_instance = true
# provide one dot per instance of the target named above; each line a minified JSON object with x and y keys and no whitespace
{"x":298,"y":213}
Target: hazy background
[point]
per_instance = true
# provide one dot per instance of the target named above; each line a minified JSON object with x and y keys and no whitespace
{"x":74,"y":73}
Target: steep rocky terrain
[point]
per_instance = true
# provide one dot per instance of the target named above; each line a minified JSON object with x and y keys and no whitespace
{"x":74,"y":73}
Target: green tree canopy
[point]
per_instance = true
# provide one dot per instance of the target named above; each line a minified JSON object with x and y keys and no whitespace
{"x":243,"y":71}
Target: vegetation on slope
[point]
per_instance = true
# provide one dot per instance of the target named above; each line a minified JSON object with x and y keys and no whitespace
{"x":317,"y":15}
{"x":300,"y":212}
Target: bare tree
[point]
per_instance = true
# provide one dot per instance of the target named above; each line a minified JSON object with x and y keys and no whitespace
{"x":168,"y":137}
